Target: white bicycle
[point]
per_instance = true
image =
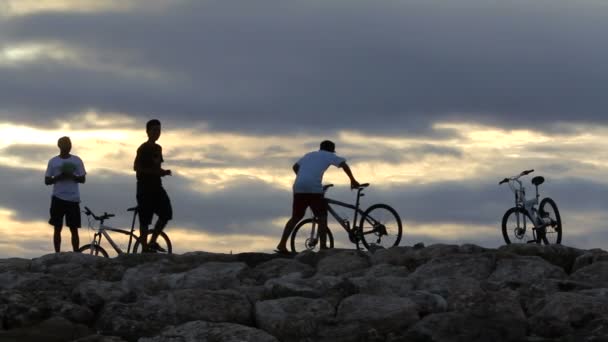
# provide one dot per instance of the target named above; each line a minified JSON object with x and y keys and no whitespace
{"x":524,"y":223}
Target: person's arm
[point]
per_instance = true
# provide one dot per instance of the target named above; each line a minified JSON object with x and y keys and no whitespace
{"x":296,"y":168}
{"x":353,"y":182}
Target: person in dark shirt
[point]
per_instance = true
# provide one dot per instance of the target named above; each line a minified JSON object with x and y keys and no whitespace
{"x":151,"y":196}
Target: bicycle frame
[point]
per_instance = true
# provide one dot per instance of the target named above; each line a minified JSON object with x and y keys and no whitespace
{"x":102,"y":231}
{"x":519,"y":191}
{"x":344,"y":223}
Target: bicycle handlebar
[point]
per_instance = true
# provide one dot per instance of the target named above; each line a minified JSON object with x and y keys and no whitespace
{"x":523,"y":173}
{"x":103,"y":217}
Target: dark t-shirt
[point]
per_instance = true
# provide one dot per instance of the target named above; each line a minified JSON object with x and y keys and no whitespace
{"x":149,"y":156}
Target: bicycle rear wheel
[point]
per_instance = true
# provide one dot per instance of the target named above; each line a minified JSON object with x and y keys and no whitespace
{"x":381,"y":226}
{"x":548,"y":211}
{"x":162,"y":240}
{"x":93,"y":250}
{"x":517,"y":227}
{"x":303,"y":238}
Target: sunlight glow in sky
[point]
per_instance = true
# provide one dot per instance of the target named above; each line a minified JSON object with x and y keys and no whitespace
{"x":245,"y":89}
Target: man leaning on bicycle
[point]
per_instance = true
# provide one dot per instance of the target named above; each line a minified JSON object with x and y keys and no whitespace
{"x":308,"y":190}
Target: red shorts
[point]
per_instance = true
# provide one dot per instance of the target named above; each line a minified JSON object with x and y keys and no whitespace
{"x":316,"y":202}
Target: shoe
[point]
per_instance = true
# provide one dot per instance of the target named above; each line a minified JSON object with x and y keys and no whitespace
{"x":283,"y":252}
{"x":155,"y":247}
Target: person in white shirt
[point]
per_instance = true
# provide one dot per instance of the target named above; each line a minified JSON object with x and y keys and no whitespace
{"x":308,"y":190}
{"x":64,"y":172}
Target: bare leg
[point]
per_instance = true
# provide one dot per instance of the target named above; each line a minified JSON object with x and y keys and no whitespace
{"x":143,"y":237}
{"x":75,"y":239}
{"x":158,"y":228}
{"x":289,"y":226}
{"x":57,"y":238}
{"x":322,"y":220}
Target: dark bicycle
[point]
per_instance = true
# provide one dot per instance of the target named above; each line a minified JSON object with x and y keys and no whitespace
{"x":379,"y":225}
{"x":94,"y":248}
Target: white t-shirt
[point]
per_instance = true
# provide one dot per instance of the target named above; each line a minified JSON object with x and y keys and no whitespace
{"x":66,"y":189}
{"x":312,"y":167}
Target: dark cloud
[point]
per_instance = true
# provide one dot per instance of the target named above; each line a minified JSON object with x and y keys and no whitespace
{"x":30,"y":152}
{"x":390,"y":67}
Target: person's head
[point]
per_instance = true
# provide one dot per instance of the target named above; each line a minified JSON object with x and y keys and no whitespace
{"x":153,"y":129}
{"x":328,"y":146}
{"x":65,"y":145}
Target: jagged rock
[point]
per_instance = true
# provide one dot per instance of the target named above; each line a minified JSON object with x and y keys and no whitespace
{"x":331,"y":288}
{"x":210,"y":276}
{"x":294,"y":318}
{"x":360,"y":314}
{"x":14,"y":264}
{"x":434,"y":293}
{"x":563,"y":313}
{"x":99,"y":338}
{"x":277,"y":268}
{"x":588,"y":258}
{"x":595,"y":274}
{"x":525,"y":270}
{"x":95,"y":293}
{"x":150,"y":314}
{"x":343,"y":262}
{"x":459,"y":292}
{"x":456,"y":266}
{"x":55,"y":329}
{"x":200,"y":331}
{"x":494,"y":317}
{"x":558,"y":255}
{"x":382,"y":270}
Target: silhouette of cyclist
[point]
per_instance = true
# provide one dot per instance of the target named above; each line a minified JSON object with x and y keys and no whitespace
{"x":308,"y":190}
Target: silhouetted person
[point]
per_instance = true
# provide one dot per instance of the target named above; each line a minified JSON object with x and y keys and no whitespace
{"x":65,"y":171}
{"x":308,"y":190}
{"x":151,"y":196}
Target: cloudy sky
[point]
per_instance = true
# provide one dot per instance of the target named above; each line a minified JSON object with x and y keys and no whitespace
{"x":431,"y":101}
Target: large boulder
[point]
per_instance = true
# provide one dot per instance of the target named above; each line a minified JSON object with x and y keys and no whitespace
{"x":294,"y":318}
{"x":595,"y":274}
{"x":200,"y":331}
{"x":343,"y":262}
{"x":563,"y":313}
{"x":365,"y":315}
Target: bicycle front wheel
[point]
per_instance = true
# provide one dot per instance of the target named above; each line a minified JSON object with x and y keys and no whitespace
{"x":381,"y":226}
{"x":518,"y":227}
{"x":550,"y":214}
{"x":93,"y":250}
{"x":305,"y":237}
{"x":164,"y":244}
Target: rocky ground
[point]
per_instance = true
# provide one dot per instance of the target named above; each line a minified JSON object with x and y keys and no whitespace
{"x":435,"y":293}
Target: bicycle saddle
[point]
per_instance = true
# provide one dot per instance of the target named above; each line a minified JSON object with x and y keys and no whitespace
{"x":538,"y":180}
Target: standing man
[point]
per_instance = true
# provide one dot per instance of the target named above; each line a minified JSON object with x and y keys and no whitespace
{"x":151,"y":196}
{"x":65,"y":171}
{"x":308,"y":190}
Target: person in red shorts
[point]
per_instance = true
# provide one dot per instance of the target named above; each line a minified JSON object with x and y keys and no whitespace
{"x":308,"y":190}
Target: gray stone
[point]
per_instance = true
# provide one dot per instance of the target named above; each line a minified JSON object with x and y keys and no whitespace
{"x":343,"y":262}
{"x":563,"y":313}
{"x":595,"y":274}
{"x":277,"y":268}
{"x":525,"y":270}
{"x":294,"y":318}
{"x":200,"y":331}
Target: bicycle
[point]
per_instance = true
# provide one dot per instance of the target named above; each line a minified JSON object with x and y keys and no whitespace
{"x":379,"y":225}
{"x":95,"y":248}
{"x":546,"y":221}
